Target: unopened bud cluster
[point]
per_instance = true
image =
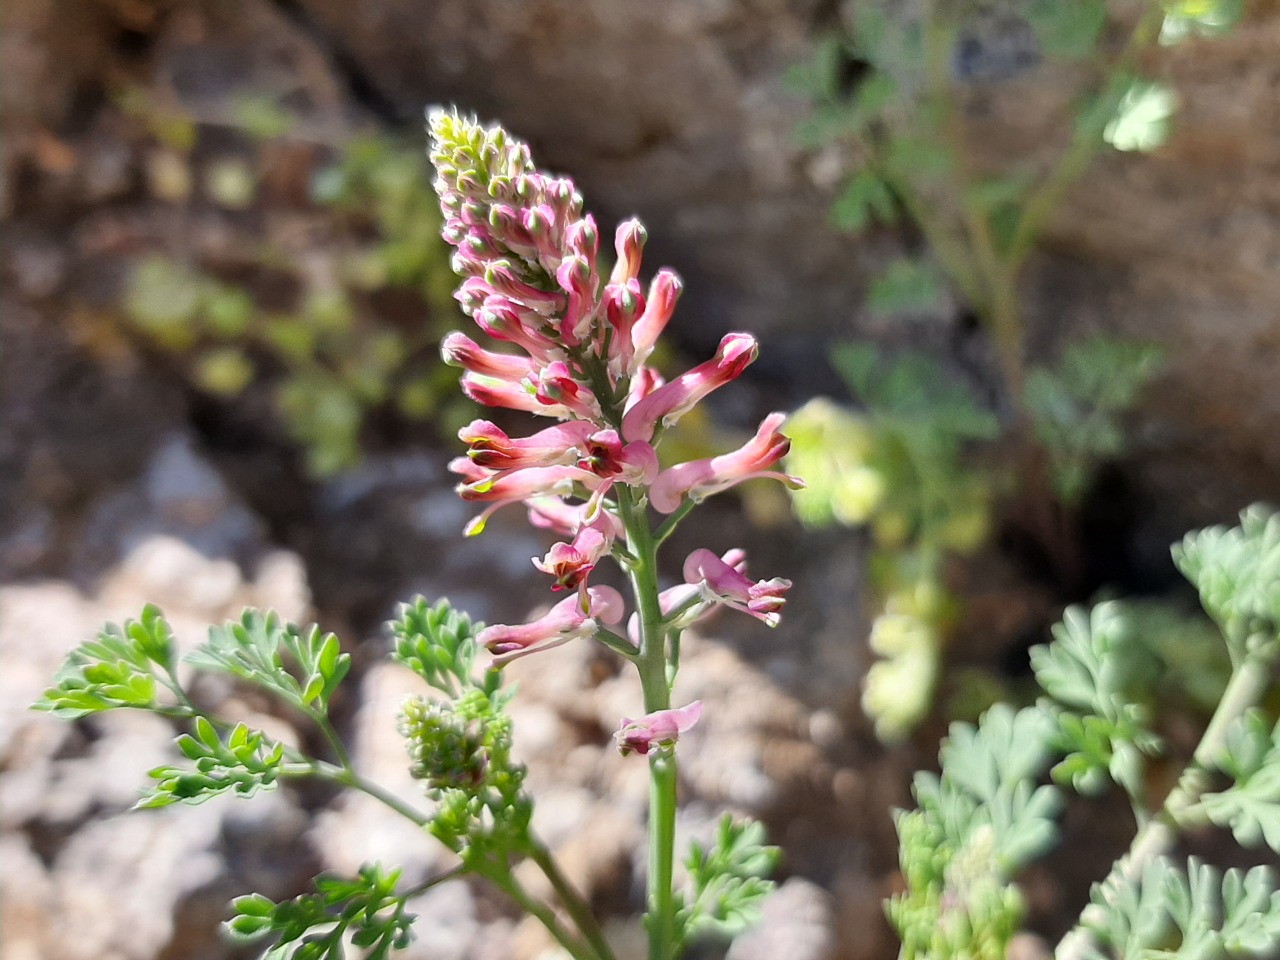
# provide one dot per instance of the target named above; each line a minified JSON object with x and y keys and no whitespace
{"x":446,"y":750}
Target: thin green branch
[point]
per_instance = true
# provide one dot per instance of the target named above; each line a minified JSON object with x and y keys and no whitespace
{"x":1084,"y":146}
{"x":576,"y":906}
{"x":502,"y":878}
{"x":668,"y":526}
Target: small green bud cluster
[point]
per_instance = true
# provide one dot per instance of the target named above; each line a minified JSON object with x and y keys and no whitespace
{"x":444,"y":750}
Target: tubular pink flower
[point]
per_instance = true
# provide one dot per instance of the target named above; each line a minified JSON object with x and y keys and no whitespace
{"x":566,"y":621}
{"x":628,"y":243}
{"x":577,"y":278}
{"x":503,"y":278}
{"x":566,"y":519}
{"x":490,"y":392}
{"x":490,"y":446}
{"x":506,"y":321}
{"x":659,"y":729}
{"x":508,"y":227}
{"x":699,"y":479}
{"x":501,"y":489}
{"x":526,"y":483}
{"x":606,"y":455}
{"x":572,"y":563}
{"x":687,"y":599}
{"x":622,"y":303}
{"x":673,"y":400}
{"x":664,"y":291}
{"x":555,"y":387}
{"x":643,"y":382}
{"x":724,"y":580}
{"x":470,"y":471}
{"x":459,"y":350}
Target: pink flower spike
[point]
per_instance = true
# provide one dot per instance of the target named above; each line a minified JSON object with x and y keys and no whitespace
{"x":664,"y":291}
{"x":699,"y":479}
{"x":724,"y":580}
{"x":673,"y":400}
{"x":660,"y":729}
{"x":459,"y":350}
{"x":566,"y":621}
{"x":490,"y":446}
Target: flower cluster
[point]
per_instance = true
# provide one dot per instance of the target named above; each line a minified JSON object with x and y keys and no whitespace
{"x":575,"y":348}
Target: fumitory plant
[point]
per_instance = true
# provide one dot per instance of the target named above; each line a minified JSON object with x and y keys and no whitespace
{"x":575,"y":347}
{"x":994,"y":807}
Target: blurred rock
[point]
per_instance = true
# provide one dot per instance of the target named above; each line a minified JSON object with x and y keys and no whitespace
{"x":796,"y":922}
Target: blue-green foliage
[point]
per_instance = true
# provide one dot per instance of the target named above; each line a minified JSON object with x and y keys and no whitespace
{"x":988,"y":813}
{"x":728,"y":881}
{"x":1237,"y":571}
{"x":438,"y":644}
{"x":303,"y":668}
{"x":976,"y":824}
{"x":1250,"y":807}
{"x":1194,"y":914}
{"x":1096,"y":672}
{"x":1078,"y":407}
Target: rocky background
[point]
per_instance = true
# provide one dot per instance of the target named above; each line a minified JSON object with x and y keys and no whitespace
{"x":121,"y":484}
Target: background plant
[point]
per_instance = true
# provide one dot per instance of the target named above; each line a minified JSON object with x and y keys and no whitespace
{"x":891,"y":91}
{"x":337,"y":337}
{"x":904,"y":467}
{"x":990,"y":812}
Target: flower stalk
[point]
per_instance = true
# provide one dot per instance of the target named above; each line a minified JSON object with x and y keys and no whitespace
{"x":528,"y":256}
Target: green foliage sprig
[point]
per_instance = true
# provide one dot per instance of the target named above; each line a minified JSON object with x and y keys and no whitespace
{"x":367,"y":909}
{"x":729,"y":880}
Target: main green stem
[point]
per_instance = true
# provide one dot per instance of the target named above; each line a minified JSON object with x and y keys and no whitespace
{"x":1248,"y":685}
{"x":643,"y":574}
